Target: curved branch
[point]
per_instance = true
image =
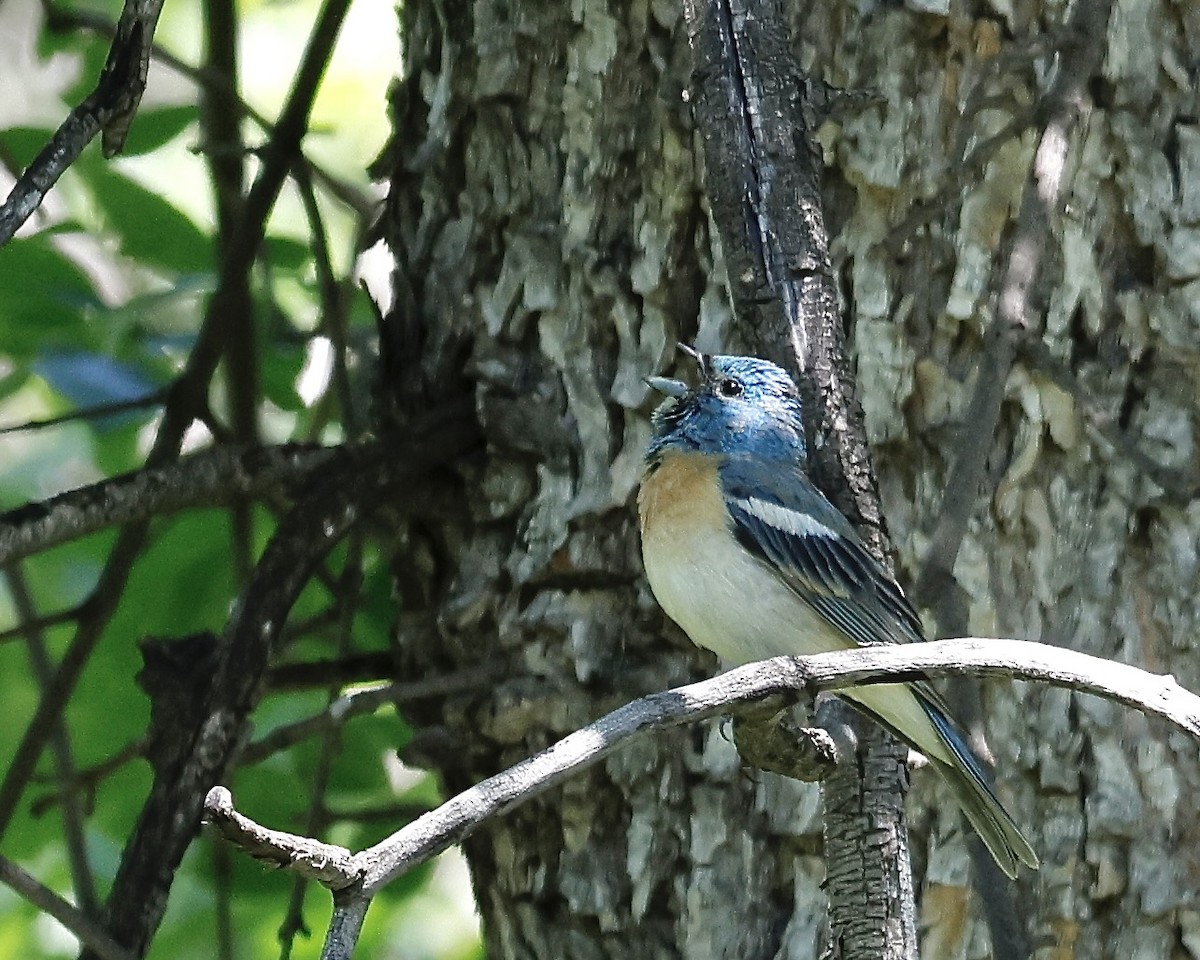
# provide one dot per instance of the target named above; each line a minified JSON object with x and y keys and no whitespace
{"x":324,"y":862}
{"x":458,"y":817}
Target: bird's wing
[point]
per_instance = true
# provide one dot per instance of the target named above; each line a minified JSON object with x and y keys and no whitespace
{"x":780,"y":517}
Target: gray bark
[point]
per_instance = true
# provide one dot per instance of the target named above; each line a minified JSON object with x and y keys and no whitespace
{"x":552,"y":243}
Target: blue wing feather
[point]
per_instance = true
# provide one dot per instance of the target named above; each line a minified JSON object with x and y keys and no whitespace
{"x":780,"y":517}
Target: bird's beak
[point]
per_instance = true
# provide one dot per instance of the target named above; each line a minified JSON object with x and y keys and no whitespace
{"x":700,"y":358}
{"x":664,"y":385}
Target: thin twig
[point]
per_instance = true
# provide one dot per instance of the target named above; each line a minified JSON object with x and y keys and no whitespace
{"x":44,"y":622}
{"x":65,"y":773}
{"x":155,"y":399}
{"x":355,"y":703}
{"x":243,"y":245}
{"x":212,"y":477}
{"x":87,"y":779}
{"x":87,"y":931}
{"x":333,"y":297}
{"x":348,"y":592}
{"x":94,"y":614}
{"x":63,"y":19}
{"x":187,"y":399}
{"x":207,"y":729}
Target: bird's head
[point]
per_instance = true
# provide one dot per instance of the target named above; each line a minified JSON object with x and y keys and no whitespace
{"x":741,"y":405}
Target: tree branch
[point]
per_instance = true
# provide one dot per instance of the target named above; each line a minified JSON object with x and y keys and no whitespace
{"x":242,"y":245}
{"x":62,"y":755}
{"x":326,"y":863}
{"x":211,"y":478}
{"x":108,"y":108}
{"x":364,"y":874}
{"x":86,"y":930}
{"x":354,"y":703}
{"x":90,"y":413}
{"x":62,"y":19}
{"x":763,"y":174}
{"x":186,"y":400}
{"x":207,"y":715}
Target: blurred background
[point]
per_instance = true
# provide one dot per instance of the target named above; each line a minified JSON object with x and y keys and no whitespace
{"x":101,"y":297}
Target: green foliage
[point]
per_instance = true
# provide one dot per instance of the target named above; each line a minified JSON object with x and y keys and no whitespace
{"x":46,"y":300}
{"x":148,"y":229}
{"x":101,"y":302}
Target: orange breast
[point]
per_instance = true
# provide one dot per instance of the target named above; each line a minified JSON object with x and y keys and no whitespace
{"x":681,"y":495}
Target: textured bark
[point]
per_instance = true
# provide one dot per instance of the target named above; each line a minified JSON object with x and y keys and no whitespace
{"x":552,"y":244}
{"x":763,"y":182}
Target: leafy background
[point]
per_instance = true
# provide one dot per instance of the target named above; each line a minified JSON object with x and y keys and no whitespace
{"x":100,"y":300}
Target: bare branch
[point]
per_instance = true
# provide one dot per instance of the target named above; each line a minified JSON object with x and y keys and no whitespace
{"x":187,"y":399}
{"x":211,"y":478}
{"x":242,"y":245}
{"x":155,"y":399}
{"x":323,"y":862}
{"x":88,"y":779}
{"x":209,"y":725}
{"x":108,"y":108}
{"x":354,"y":703}
{"x":62,"y":18}
{"x":783,"y":676}
{"x":87,"y":931}
{"x":763,"y":175}
{"x":44,"y":622}
{"x":60,"y":745}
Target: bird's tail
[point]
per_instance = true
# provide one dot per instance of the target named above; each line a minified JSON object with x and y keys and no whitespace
{"x":966,"y":778}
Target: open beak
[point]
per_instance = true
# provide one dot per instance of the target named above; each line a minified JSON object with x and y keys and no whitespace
{"x":677,"y":388}
{"x":671,"y":388}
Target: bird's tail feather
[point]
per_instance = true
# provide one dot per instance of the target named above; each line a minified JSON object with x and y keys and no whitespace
{"x":966,"y":778}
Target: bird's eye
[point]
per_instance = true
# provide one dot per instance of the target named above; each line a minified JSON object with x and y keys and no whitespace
{"x":729,"y":388}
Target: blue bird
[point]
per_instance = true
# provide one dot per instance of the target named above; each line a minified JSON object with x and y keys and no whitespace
{"x":747,"y":556}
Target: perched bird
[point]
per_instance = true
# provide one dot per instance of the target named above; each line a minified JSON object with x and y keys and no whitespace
{"x":747,"y":556}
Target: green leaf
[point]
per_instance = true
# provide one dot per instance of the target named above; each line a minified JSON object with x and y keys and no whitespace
{"x":285,"y":253}
{"x":194,"y":546}
{"x":281,"y":366}
{"x":153,"y":128}
{"x":89,"y":50}
{"x":44,"y":298}
{"x":150,"y":229}
{"x":13,"y":380}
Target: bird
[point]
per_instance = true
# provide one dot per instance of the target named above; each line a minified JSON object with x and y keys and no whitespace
{"x":751,"y":560}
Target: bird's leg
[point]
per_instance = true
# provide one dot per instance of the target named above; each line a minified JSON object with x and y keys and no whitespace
{"x":772,"y":739}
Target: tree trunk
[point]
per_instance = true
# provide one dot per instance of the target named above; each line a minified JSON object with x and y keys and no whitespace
{"x":1036,"y":453}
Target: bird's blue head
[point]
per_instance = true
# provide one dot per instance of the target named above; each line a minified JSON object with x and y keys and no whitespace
{"x":742,"y":405}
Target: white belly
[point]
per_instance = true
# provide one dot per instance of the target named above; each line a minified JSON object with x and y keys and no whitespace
{"x":728,"y":602}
